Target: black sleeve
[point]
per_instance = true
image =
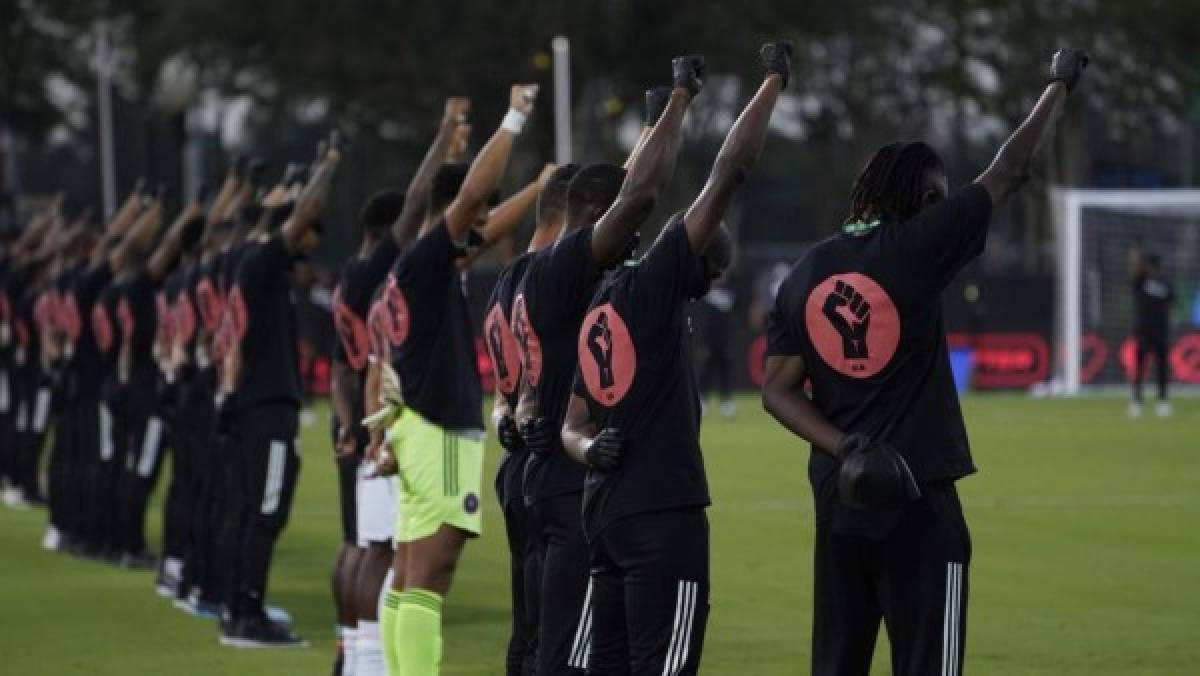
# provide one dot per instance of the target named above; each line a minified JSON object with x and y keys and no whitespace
{"x":670,"y":274}
{"x":92,"y":282}
{"x":380,"y":261}
{"x":782,"y":338}
{"x":569,"y":268}
{"x":942,"y":239}
{"x":435,"y":250}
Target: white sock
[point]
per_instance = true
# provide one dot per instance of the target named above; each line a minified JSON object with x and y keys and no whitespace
{"x":349,"y":643}
{"x":369,"y":651}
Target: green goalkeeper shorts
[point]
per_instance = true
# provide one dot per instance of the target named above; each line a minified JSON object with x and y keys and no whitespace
{"x":440,"y":474}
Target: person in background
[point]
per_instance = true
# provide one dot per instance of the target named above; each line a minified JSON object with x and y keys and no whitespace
{"x":1153,"y":297}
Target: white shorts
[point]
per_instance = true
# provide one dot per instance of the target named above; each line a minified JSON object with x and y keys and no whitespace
{"x":376,"y":500}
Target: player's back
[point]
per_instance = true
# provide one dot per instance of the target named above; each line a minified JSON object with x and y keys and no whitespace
{"x":864,"y":311}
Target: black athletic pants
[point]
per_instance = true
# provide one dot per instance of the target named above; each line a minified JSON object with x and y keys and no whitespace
{"x":39,"y":401}
{"x":226,"y":513}
{"x":914,"y":579}
{"x":100,"y":456}
{"x":62,"y":460}
{"x":179,"y":505}
{"x":525,"y":576}
{"x":649,"y":594}
{"x":563,"y":622}
{"x":9,"y":439}
{"x":270,"y":465}
{"x":347,"y":490}
{"x":143,"y":432}
{"x":1150,"y":345}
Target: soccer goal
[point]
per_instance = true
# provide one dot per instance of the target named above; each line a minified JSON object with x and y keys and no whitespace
{"x":1095,"y":231}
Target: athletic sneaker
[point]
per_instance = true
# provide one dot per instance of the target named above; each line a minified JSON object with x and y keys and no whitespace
{"x":52,"y":540}
{"x":277,"y":614}
{"x":15,"y":499}
{"x":1163,"y":409}
{"x":259,"y":632}
{"x":197,"y":607}
{"x":728,"y":408}
{"x":1135,"y":409}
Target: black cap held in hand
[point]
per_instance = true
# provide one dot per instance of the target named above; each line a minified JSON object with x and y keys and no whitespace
{"x":1067,"y":67}
{"x":777,"y":58}
{"x":688,"y":72}
{"x":875,"y":477}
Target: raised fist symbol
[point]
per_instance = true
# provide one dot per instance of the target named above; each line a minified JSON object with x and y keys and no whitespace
{"x":599,"y":342}
{"x":850,"y":315}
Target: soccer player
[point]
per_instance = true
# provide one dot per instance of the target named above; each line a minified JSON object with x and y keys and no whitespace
{"x":634,"y":416}
{"x":860,"y":318}
{"x":260,"y":383}
{"x":142,"y":426}
{"x":506,"y":366}
{"x":1153,"y":296}
{"x":549,"y":305}
{"x":438,"y":430}
{"x":390,"y":220}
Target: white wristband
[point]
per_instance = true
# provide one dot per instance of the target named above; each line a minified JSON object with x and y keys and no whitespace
{"x":514,"y":121}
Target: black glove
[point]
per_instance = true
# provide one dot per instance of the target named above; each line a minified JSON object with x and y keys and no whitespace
{"x":688,"y":72}
{"x":257,"y":171}
{"x":193,"y":230}
{"x":657,"y":99}
{"x":537,"y":436}
{"x":777,"y":58}
{"x":604,"y":453}
{"x":226,"y":415}
{"x":509,"y":436}
{"x":1067,"y":67}
{"x":873,"y":475}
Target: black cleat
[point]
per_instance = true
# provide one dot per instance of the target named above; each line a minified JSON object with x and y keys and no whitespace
{"x":259,"y":632}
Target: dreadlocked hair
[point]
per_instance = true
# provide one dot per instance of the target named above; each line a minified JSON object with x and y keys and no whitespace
{"x":891,"y":187}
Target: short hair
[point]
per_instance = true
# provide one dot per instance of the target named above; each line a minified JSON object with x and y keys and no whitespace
{"x":552,"y":201}
{"x":891,"y":186}
{"x":592,"y":190}
{"x":381,"y":210}
{"x":446,"y":183}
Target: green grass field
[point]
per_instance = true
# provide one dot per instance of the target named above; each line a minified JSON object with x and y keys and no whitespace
{"x":1086,"y":561}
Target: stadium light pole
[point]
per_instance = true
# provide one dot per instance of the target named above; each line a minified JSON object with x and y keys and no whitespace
{"x":108,"y":167}
{"x":561,"y":48}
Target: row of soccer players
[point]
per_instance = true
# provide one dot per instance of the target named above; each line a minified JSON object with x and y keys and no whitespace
{"x":574,"y":308}
{"x":186,"y":341}
{"x":602,"y":484}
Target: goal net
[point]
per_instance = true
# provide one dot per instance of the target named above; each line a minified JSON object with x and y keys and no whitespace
{"x":1096,"y":231}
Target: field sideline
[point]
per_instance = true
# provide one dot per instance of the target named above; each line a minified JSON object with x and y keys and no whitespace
{"x":1086,"y":560}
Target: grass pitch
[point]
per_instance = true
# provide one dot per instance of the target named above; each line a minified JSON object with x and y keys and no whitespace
{"x":1086,"y":561}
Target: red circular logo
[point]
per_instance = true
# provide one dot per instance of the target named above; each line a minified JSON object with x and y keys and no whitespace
{"x":125,"y":318}
{"x":527,"y":342}
{"x":185,"y":319}
{"x":397,"y":317}
{"x":352,"y":331}
{"x":102,"y":328}
{"x":853,"y":324}
{"x":606,"y":355}
{"x":71,"y":320}
{"x":502,"y":346}
{"x":237,"y":313}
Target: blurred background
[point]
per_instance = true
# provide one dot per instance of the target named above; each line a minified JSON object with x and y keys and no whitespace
{"x":187,"y":84}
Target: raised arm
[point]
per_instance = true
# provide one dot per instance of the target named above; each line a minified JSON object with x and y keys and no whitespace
{"x":416,"y":198}
{"x":139,"y":238}
{"x":508,"y":215}
{"x":1011,"y":168}
{"x":488,"y":168}
{"x":652,"y":167}
{"x":656,"y":102}
{"x":313,"y":198}
{"x":182,"y":234}
{"x":741,"y":148}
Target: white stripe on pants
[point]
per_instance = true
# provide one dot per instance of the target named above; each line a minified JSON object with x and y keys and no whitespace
{"x":681,"y":630}
{"x":951,"y":620}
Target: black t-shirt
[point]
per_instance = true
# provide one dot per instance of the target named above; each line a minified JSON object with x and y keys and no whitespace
{"x":137,"y":317}
{"x":88,"y":366}
{"x":352,"y":301}
{"x":506,"y":364}
{"x":635,"y":373}
{"x":264,"y":324}
{"x":865,"y":313}
{"x":551,"y":302}
{"x":432,"y":344}
{"x":1152,"y":298}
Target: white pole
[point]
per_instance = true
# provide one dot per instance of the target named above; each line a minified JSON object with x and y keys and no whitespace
{"x":1073,"y":294}
{"x":108,"y":164}
{"x":561,"y":47}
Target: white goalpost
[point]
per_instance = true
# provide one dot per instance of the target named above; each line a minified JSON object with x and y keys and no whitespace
{"x":1094,"y":232}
